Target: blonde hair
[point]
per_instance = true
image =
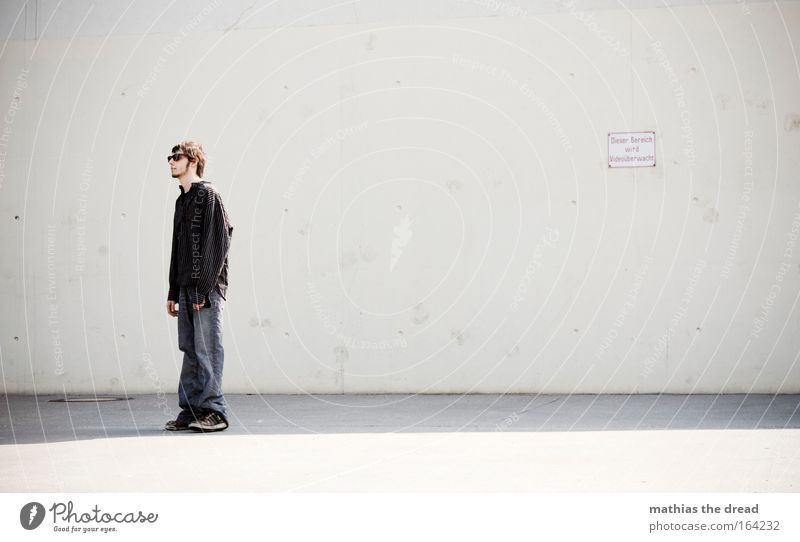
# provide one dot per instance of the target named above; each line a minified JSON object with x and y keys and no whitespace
{"x":194,"y":151}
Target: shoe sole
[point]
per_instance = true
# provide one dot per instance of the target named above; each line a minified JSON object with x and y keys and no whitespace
{"x":213,"y":428}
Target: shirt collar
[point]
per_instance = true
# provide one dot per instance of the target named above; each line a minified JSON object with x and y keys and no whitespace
{"x":191,"y":188}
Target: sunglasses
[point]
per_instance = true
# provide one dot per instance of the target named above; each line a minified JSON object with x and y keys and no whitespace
{"x":176,"y":156}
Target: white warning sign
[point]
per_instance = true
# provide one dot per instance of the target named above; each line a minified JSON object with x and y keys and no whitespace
{"x":631,"y":149}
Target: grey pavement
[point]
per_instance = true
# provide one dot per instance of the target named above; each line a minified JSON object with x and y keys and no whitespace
{"x":477,"y":442}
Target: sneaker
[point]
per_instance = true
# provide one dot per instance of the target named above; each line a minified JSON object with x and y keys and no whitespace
{"x":213,"y":421}
{"x":176,"y":425}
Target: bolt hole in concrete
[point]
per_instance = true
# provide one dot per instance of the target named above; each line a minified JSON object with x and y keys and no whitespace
{"x":88,"y":399}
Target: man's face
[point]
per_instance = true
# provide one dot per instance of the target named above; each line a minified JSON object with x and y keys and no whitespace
{"x":178,"y":164}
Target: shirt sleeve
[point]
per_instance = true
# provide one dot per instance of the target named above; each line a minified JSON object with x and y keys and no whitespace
{"x":209,"y":245}
{"x":172,"y":295}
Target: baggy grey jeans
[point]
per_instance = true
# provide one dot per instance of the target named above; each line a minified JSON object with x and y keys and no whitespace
{"x":200,"y":340}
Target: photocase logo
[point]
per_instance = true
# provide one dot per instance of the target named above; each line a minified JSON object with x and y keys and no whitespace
{"x":31,"y":515}
{"x":402,"y":234}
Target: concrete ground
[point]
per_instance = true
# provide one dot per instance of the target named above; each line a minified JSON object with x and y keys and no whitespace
{"x":682,"y":443}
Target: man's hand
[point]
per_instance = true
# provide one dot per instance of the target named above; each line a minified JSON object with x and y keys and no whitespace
{"x":197,"y":306}
{"x":171,"y":308}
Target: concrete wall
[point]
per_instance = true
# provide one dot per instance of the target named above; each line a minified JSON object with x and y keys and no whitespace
{"x":420,"y":194}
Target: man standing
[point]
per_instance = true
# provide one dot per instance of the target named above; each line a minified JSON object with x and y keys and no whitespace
{"x":198,"y":282}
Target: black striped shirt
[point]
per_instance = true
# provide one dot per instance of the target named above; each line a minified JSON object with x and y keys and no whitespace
{"x":201,"y":238}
